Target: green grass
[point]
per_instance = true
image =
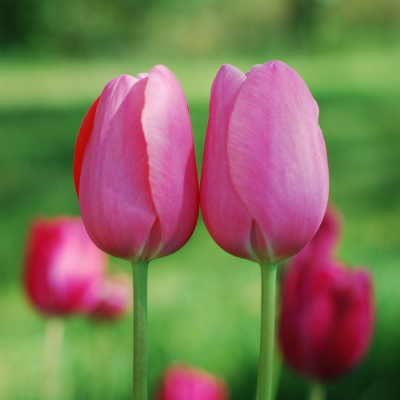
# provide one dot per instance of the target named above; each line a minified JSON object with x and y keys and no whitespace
{"x":203,"y":303}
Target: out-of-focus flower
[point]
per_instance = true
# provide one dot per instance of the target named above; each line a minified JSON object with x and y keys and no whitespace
{"x":63,"y":268}
{"x":135,"y":169}
{"x":115,"y":297}
{"x":327,"y":312}
{"x":265,"y":181}
{"x":325,"y":242}
{"x":181,"y":382}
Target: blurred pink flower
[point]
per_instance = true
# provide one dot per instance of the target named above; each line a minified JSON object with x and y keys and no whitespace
{"x":265,"y":180}
{"x":63,"y":268}
{"x":115,"y":297}
{"x":134,"y":167}
{"x":327,"y":312}
{"x":181,"y":382}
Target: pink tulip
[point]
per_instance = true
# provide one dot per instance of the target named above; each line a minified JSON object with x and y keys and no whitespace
{"x":115,"y":297}
{"x":265,"y":183}
{"x":186,"y":383}
{"x":63,"y":267}
{"x":135,"y":169}
{"x":327,"y":317}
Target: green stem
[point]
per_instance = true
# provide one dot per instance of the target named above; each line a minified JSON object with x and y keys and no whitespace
{"x":52,"y":344}
{"x":317,"y":391}
{"x":276,"y":373}
{"x":268,"y":279}
{"x":102,"y":370}
{"x":140,"y":329}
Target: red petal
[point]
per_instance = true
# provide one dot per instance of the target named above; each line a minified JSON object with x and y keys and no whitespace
{"x":82,"y":141}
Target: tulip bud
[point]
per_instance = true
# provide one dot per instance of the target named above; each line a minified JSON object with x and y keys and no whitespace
{"x":135,"y":169}
{"x":181,"y":382}
{"x":115,"y":297}
{"x":63,"y":268}
{"x":264,"y":186}
{"x":327,"y":317}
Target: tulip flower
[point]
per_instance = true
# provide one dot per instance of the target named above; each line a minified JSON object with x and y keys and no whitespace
{"x":326,"y":319}
{"x":265,"y":182}
{"x":63,"y":273}
{"x":327,"y":311}
{"x":182,"y":382}
{"x":264,"y":185}
{"x":115,"y":297}
{"x":135,"y":169}
{"x":136,"y":178}
{"x":63,"y":267}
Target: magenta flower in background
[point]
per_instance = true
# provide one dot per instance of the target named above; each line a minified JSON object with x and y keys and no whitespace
{"x":135,"y":169}
{"x":181,"y":382}
{"x":115,"y":297}
{"x":63,"y":268}
{"x":265,"y":182}
{"x":327,"y":310}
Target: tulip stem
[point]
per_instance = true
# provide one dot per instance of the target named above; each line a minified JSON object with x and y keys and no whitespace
{"x":52,"y":343}
{"x":317,"y":391}
{"x":268,"y":283}
{"x":140,"y":329}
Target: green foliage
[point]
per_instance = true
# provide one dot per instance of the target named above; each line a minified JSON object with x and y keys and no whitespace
{"x":73,"y":27}
{"x":93,"y":27}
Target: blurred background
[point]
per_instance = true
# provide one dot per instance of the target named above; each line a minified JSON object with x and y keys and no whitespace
{"x":56,"y":56}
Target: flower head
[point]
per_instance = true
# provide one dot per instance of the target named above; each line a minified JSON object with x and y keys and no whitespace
{"x":63,"y":268}
{"x":134,"y":167}
{"x":182,"y":382}
{"x":264,"y":185}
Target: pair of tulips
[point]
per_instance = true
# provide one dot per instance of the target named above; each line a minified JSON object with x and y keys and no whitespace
{"x":264,"y":184}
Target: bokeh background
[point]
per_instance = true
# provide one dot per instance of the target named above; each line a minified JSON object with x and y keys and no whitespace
{"x":55,"y":58}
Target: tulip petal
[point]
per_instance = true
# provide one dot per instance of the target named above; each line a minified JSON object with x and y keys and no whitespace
{"x":277,"y":147}
{"x":81,"y":142}
{"x":327,"y":317}
{"x":39,"y":257}
{"x":115,"y":197}
{"x":62,"y":267}
{"x":171,"y":161}
{"x":353,"y":324}
{"x":224,"y":213}
{"x":67,"y":277}
{"x":317,"y":321}
{"x":182,"y":382}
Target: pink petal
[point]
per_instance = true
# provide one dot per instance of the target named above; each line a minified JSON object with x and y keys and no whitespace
{"x":172,"y":165}
{"x":182,"y":382}
{"x":62,"y":266}
{"x":225,"y":215}
{"x":277,"y":158}
{"x":115,"y":196}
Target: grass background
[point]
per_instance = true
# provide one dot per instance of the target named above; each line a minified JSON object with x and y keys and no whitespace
{"x":203,"y":303}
